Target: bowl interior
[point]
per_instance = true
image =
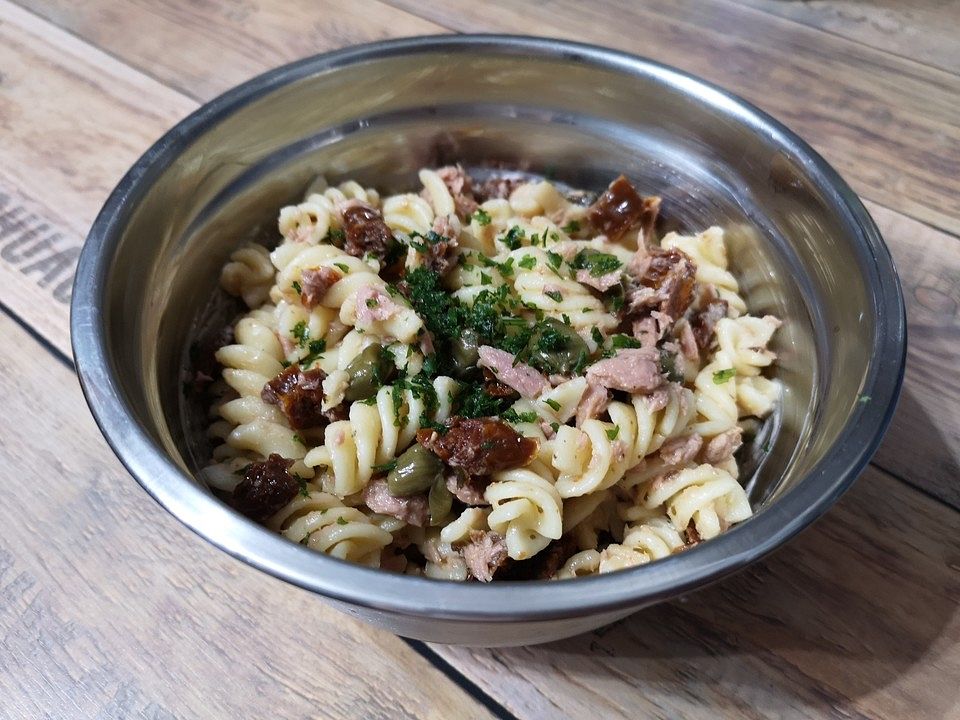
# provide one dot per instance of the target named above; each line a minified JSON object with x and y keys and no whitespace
{"x":568,"y":113}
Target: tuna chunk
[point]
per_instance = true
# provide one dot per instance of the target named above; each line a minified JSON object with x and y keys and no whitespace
{"x":521,"y":377}
{"x":468,"y":489}
{"x":722,"y":446}
{"x":314,"y":283}
{"x":602,"y":283}
{"x":460,"y":186}
{"x":631,"y":370}
{"x":413,"y":509}
{"x":665,"y":281}
{"x":593,"y":403}
{"x":373,"y":303}
{"x":681,"y":450}
{"x":704,"y":320}
{"x":484,"y":554}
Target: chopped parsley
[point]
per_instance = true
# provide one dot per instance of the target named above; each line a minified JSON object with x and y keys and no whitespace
{"x":512,"y":416}
{"x":304,"y":492}
{"x":554,"y":295}
{"x":297,"y":287}
{"x":485,"y":279}
{"x":298,"y":439}
{"x":597,"y":263}
{"x":553,"y":404}
{"x":513,"y":237}
{"x":341,"y":520}
{"x":613,"y":432}
{"x":721,"y":376}
{"x":571,"y":227}
{"x":373,"y":302}
{"x":554,"y":259}
{"x":482,"y":217}
{"x":624,"y":341}
{"x":314,"y":350}
{"x":596,"y":335}
{"x":336,"y":236}
{"x":528,"y":262}
{"x":301,"y":333}
{"x":473,"y":402}
{"x":341,"y":266}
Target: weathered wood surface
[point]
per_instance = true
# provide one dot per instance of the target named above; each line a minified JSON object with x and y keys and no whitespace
{"x":110,"y":608}
{"x":855,"y":618}
{"x":918,"y":30}
{"x":930,"y":459}
{"x":891,"y":126}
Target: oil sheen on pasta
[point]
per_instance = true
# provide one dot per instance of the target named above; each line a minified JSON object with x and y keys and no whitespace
{"x":488,"y":380}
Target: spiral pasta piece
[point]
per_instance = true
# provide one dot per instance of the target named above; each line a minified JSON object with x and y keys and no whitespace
{"x":248,"y":275}
{"x":376,"y":433}
{"x":526,"y":511}
{"x":323,"y":523}
{"x":543,"y":287}
{"x":597,"y":455}
{"x":251,"y":362}
{"x":706,"y":496}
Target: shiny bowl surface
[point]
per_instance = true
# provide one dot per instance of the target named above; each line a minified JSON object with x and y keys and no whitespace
{"x":801,"y":243}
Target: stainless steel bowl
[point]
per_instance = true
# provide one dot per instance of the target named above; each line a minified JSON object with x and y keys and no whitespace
{"x":802,"y":243}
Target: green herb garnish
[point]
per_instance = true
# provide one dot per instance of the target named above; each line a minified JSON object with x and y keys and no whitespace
{"x":482,"y":217}
{"x":721,"y":376}
{"x":613,"y":432}
{"x":597,"y":263}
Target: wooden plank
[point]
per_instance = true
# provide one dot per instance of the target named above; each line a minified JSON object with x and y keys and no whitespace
{"x":919,"y":30}
{"x":857,"y":617}
{"x":923,"y":442}
{"x":889,"y":125}
{"x":45,"y":210}
{"x":73,"y":120}
{"x":220,"y":44}
{"x":110,"y":608}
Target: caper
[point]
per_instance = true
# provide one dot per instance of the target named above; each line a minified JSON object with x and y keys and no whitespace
{"x":463,"y":351}
{"x":441,"y":501}
{"x":368,"y":371}
{"x":417,"y":469}
{"x":557,"y":347}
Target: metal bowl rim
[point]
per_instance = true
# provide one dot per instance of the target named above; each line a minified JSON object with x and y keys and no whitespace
{"x":508,"y":601}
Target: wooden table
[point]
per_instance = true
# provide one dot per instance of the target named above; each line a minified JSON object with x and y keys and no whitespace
{"x":110,"y":609}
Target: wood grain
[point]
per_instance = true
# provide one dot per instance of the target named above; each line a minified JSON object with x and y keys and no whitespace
{"x":889,"y":125}
{"x":46,"y":207}
{"x":918,"y":30}
{"x":110,"y":608}
{"x":857,"y":618}
{"x":72,"y":120}
{"x":221,"y":44}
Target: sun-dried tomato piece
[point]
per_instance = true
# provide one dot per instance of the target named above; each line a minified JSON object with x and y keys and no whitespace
{"x":266,"y":487}
{"x":479,"y":446}
{"x":365,"y":230}
{"x":299,"y":395}
{"x":621,"y":208}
